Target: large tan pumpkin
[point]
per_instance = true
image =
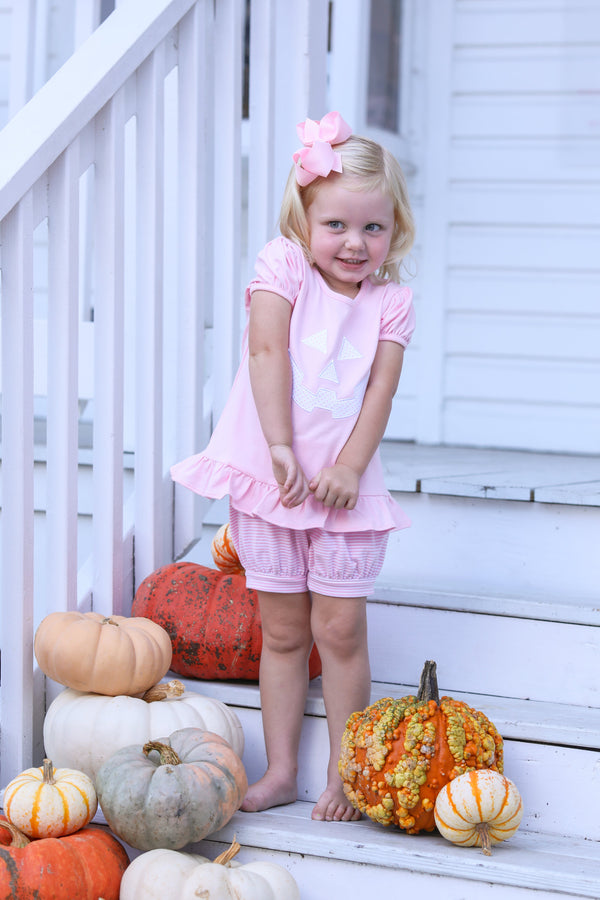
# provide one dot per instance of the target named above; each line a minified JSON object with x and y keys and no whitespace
{"x":102,"y":654}
{"x":85,"y":730}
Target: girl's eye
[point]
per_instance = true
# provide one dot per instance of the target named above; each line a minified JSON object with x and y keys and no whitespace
{"x":335,"y":225}
{"x":373,"y":227}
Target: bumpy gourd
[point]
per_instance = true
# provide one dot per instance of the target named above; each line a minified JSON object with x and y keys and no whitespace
{"x":85,"y":865}
{"x":47,"y":802}
{"x":398,"y":754}
{"x":172,"y":791}
{"x":85,"y":730}
{"x":185,"y":876}
{"x":479,"y":809}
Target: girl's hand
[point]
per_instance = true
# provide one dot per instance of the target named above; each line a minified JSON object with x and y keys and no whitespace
{"x":336,"y":486}
{"x":293,"y":487}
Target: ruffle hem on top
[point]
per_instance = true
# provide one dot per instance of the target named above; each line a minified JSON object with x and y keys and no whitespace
{"x":215,"y":479}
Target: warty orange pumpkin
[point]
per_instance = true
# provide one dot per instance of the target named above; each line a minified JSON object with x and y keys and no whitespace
{"x":398,"y":754}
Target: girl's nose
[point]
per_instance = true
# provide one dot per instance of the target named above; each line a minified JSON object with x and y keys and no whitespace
{"x":354,"y":239}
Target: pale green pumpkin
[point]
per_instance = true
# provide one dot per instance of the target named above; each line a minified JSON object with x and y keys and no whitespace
{"x":172,"y":791}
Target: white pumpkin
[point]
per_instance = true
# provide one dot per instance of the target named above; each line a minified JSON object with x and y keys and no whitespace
{"x":172,"y":875}
{"x":84,"y":730}
{"x":478,"y":808}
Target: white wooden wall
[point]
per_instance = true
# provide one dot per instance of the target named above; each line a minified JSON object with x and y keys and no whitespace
{"x":510,"y":260}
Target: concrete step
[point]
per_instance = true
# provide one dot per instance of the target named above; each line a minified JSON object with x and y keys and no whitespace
{"x":334,"y":860}
{"x":551,"y":741}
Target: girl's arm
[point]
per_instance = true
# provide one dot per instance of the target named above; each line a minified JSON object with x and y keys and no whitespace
{"x":271,"y":380}
{"x":337,"y":486}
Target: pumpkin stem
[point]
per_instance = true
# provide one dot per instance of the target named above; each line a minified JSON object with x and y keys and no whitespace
{"x":428,"y":686}
{"x":164,"y":691}
{"x":224,"y":858}
{"x":484,"y":836}
{"x":18,"y":839}
{"x":48,"y":770}
{"x":108,"y":620}
{"x":168,"y":757}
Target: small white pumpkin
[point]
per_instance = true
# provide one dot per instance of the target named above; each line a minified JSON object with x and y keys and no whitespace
{"x":49,"y":802}
{"x":172,"y":875}
{"x":478,"y":808}
{"x":84,"y":730}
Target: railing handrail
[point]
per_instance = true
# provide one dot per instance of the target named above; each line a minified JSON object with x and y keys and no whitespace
{"x":54,"y":116}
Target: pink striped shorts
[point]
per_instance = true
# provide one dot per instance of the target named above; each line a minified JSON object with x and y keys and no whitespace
{"x":284,"y":560}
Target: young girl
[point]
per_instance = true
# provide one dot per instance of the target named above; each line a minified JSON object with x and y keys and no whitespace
{"x":297,"y":445}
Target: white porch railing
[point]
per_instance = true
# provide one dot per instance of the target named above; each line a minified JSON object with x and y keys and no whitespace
{"x":130,"y":158}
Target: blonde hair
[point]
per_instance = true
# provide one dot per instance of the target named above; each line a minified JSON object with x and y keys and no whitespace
{"x":373,"y":168}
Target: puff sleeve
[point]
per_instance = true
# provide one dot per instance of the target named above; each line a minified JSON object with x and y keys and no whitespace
{"x":280,"y":267}
{"x":398,"y":315}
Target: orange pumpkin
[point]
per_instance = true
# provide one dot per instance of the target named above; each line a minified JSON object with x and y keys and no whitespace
{"x":223,"y":551}
{"x":397,"y":755}
{"x":212,"y":618}
{"x":82,"y":866}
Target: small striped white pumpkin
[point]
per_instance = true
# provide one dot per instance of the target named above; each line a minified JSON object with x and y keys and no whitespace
{"x":49,"y":802}
{"x":478,"y":809}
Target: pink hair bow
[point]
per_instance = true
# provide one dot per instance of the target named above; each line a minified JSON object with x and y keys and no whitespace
{"x":317,"y":157}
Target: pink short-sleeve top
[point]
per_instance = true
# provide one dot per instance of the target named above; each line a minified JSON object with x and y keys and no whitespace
{"x":332,"y":344}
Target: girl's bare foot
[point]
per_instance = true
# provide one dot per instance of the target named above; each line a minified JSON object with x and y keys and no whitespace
{"x":270,"y":790}
{"x":334,"y":806}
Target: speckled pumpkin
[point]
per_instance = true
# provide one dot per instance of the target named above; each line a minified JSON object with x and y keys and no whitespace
{"x":212,"y":618}
{"x":397,"y":755}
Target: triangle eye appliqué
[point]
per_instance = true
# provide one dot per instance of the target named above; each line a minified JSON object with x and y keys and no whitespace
{"x":348,"y":351}
{"x":318,"y":341}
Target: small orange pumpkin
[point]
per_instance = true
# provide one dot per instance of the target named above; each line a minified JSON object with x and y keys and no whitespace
{"x":398,"y":754}
{"x":223,"y":551}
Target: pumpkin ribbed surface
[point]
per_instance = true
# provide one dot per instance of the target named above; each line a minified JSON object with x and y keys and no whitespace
{"x":82,"y":866}
{"x":48,"y":802}
{"x":398,"y":754}
{"x":478,"y":809}
{"x":223,"y":551}
{"x":172,"y":791}
{"x":212,"y":618}
{"x":104,"y":654}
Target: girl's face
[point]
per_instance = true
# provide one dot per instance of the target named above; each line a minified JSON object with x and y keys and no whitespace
{"x":350,"y":233}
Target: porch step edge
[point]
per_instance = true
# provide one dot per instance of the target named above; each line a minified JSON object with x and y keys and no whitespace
{"x":528,"y":860}
{"x":575,"y":611}
{"x":534,"y":721}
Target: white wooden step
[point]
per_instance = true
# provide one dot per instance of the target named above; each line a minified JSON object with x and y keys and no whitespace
{"x":520,"y":720}
{"x":334,"y":860}
{"x":536,"y":765}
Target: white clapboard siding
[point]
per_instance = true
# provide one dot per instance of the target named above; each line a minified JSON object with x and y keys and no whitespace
{"x":520,"y":197}
{"x":537,"y":293}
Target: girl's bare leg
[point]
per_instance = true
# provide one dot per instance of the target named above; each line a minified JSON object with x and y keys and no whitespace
{"x":339,"y":626}
{"x":287,"y":641}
